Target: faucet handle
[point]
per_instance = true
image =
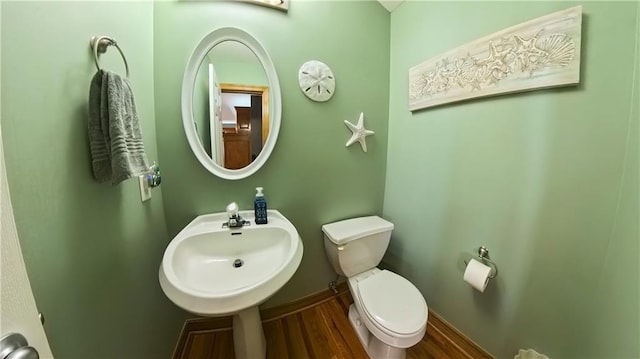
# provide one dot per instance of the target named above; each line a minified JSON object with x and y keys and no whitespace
{"x":232,"y":209}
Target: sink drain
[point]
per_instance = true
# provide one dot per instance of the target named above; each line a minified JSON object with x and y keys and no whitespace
{"x":238,"y":263}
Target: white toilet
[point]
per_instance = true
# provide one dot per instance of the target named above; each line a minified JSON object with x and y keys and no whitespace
{"x":390,"y":313}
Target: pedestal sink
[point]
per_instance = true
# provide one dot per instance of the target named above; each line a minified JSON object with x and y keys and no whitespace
{"x":212,"y":270}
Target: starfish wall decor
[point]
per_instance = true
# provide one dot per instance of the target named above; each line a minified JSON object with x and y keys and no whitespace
{"x":359,"y":133}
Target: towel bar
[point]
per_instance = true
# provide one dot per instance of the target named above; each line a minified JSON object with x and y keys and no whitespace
{"x":99,"y":45}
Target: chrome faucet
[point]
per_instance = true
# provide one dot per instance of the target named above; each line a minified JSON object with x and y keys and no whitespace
{"x":235,"y":220}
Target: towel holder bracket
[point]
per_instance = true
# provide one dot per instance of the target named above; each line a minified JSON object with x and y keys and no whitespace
{"x":99,"y":45}
{"x":102,"y":42}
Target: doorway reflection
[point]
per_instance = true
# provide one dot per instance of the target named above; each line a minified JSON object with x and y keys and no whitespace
{"x":244,"y":123}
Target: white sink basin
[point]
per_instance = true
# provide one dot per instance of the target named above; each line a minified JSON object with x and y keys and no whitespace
{"x":198,"y":272}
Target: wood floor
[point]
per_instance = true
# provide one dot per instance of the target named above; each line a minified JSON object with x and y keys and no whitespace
{"x":318,"y":331}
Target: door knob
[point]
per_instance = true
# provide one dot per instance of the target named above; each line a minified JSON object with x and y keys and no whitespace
{"x":24,"y":353}
{"x":15,"y":346}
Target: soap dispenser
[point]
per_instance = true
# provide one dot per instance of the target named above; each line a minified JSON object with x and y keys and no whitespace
{"x":260,"y":207}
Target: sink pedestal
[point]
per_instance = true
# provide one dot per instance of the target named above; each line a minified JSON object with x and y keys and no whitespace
{"x":248,"y":334}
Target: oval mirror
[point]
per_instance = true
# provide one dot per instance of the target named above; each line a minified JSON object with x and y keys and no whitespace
{"x":231,"y":105}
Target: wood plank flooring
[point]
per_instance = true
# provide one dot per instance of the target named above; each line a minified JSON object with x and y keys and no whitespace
{"x":318,"y":330}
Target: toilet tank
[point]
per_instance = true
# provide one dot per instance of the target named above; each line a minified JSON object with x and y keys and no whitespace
{"x":357,"y":244}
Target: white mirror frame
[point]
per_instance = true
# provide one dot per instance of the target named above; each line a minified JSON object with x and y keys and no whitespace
{"x":188,"y":84}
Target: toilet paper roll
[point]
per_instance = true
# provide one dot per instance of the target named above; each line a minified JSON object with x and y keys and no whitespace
{"x":477,"y":274}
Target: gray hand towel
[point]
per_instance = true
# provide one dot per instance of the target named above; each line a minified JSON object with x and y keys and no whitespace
{"x":100,"y":153}
{"x":117,"y":149}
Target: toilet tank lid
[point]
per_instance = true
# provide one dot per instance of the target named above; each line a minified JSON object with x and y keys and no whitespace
{"x":349,"y":229}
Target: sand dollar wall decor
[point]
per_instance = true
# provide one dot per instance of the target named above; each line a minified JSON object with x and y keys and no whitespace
{"x":316,"y":81}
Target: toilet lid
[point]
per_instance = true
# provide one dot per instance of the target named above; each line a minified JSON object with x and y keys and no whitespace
{"x":394,"y":302}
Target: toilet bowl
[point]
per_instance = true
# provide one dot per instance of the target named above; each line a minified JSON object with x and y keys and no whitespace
{"x":392,"y":310}
{"x":389,"y":313}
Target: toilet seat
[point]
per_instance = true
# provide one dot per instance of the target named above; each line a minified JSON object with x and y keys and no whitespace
{"x":393,"y":303}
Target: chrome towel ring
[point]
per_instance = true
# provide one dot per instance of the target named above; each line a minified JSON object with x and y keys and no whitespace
{"x":99,"y":45}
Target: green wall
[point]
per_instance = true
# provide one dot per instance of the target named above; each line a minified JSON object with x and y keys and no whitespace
{"x":547,"y":180}
{"x":92,"y":250}
{"x":311,"y":177}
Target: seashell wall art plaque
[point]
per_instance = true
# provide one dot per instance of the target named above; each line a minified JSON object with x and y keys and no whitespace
{"x":540,"y":53}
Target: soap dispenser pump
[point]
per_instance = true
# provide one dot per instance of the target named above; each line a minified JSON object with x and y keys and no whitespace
{"x":260,"y":207}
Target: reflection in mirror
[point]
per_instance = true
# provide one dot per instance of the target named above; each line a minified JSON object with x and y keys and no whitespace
{"x":231,"y":105}
{"x":229,"y":61}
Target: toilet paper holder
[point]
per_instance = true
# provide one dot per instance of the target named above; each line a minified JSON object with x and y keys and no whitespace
{"x":483,"y":254}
